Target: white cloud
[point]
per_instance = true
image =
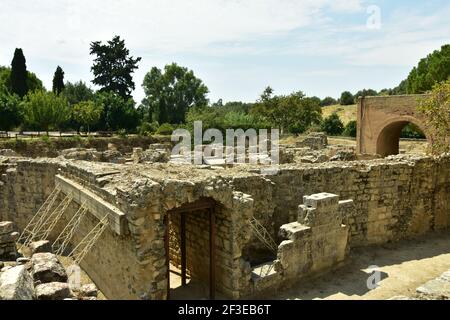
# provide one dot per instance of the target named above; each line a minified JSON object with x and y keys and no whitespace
{"x":64,"y":28}
{"x":55,"y":32}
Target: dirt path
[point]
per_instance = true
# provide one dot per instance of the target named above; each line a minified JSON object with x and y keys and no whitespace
{"x":404,"y":266}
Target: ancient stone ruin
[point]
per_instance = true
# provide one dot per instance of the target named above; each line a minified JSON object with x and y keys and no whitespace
{"x":232,"y":232}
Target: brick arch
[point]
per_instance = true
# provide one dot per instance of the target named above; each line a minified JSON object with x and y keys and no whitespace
{"x":388,"y":137}
{"x":381,"y":120}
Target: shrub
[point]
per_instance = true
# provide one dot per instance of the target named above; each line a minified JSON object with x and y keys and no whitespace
{"x":314,"y":128}
{"x":45,"y":139}
{"x":328,"y":101}
{"x":146,"y":128}
{"x":346,"y":98}
{"x":165,"y":129}
{"x":350,"y":129}
{"x":332,"y":125}
{"x":122,"y":133}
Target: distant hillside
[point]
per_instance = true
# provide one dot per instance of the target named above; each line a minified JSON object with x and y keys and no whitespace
{"x":345,"y":113}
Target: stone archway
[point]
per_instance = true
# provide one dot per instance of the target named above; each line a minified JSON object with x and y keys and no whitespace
{"x":388,"y":141}
{"x":381,"y":120}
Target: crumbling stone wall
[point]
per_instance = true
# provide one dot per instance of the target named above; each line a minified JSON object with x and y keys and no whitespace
{"x":29,"y":183}
{"x":393,"y":198}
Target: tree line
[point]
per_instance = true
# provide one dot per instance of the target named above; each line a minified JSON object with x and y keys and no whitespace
{"x":174,"y":97}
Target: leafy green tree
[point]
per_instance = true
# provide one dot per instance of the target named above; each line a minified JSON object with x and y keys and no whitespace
{"x":386,"y":92}
{"x":87,"y":113}
{"x":169,"y":94}
{"x":118,"y":113}
{"x":45,"y":110}
{"x":77,"y":92}
{"x":18,"y":77}
{"x":350,"y":129}
{"x":211,"y":117}
{"x":233,"y":106}
{"x":412,"y":131}
{"x":165,"y":129}
{"x":436,"y":111}
{"x":332,"y":125}
{"x":316,"y":100}
{"x":10,"y":111}
{"x":328,"y":101}
{"x":241,"y":120}
{"x":113,"y":67}
{"x":147,"y":128}
{"x":433,"y":69}
{"x":58,"y":81}
{"x":364,"y":93}
{"x":347,"y":98}
{"x":294,"y":113}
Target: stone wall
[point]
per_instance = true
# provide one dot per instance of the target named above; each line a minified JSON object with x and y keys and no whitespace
{"x":28,"y":183}
{"x":393,"y":198}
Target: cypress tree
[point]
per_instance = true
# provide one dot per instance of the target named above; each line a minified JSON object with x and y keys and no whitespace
{"x":58,"y":81}
{"x":19,"y":74}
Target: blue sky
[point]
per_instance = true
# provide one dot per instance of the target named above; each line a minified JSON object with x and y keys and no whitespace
{"x":237,"y":47}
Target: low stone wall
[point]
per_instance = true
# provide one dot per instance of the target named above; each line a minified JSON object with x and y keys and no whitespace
{"x":39,"y":148}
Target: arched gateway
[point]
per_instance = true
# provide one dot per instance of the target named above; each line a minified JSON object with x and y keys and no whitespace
{"x":381,"y":120}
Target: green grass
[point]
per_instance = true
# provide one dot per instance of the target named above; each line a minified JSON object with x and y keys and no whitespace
{"x":345,"y":113}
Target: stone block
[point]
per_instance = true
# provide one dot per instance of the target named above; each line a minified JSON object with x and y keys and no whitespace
{"x":53,"y":291}
{"x":16,"y":284}
{"x":47,"y":268}
{"x":41,"y":246}
{"x":6,"y":227}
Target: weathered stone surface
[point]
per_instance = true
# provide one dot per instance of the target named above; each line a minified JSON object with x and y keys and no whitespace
{"x":317,"y":241}
{"x":8,"y":239}
{"x":393,"y":198}
{"x":151,"y":156}
{"x":402,"y":298}
{"x":8,"y":153}
{"x":344,"y":155}
{"x":88,"y":290}
{"x":437,"y":289}
{"x":47,"y":268}
{"x":6,"y":227}
{"x":41,"y":246}
{"x":81,"y":154}
{"x":315,"y":141}
{"x":113,"y":156}
{"x":384,"y":118}
{"x":53,"y":291}
{"x":16,"y":284}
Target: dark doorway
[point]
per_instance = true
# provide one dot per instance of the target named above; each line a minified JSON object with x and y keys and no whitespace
{"x":178,"y":221}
